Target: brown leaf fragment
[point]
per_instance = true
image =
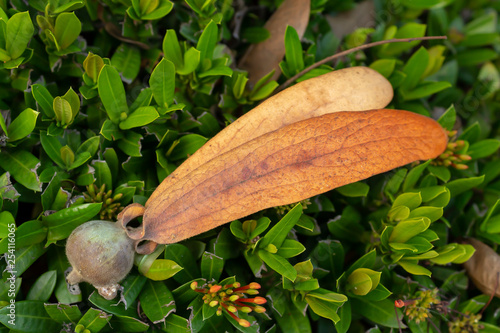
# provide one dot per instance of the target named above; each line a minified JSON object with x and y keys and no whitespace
{"x":484,"y":268}
{"x":260,"y":59}
{"x":362,"y":16}
{"x":349,"y":89}
{"x":289,"y":164}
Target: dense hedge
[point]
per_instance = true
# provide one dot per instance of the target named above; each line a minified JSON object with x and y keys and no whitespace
{"x":102,"y":99}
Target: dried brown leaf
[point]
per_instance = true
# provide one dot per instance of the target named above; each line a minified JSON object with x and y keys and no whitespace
{"x":362,"y":16}
{"x":260,"y":59}
{"x":349,"y":89}
{"x":282,"y":166}
{"x":484,"y":268}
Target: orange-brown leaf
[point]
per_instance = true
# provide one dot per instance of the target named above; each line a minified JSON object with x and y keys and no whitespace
{"x":260,"y":59}
{"x":484,"y":268}
{"x":294,"y":162}
{"x":349,"y":89}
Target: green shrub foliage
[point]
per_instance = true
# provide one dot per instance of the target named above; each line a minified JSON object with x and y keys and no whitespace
{"x":100,"y":100}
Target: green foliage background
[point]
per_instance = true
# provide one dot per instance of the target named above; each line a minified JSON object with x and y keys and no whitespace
{"x":102,"y":99}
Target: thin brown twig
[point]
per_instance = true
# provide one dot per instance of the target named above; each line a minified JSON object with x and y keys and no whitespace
{"x":346,"y":52}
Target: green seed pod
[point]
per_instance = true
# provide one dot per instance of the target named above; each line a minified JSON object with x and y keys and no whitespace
{"x":101,"y":254}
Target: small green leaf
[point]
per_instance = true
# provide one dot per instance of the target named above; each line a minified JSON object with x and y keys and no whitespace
{"x":208,"y":40}
{"x":290,"y":248}
{"x":127,"y":60}
{"x":62,"y":223}
{"x":93,"y":65}
{"x":384,"y":66}
{"x":161,"y":10}
{"x":44,"y":99}
{"x":211,"y":266}
{"x":448,"y":118}
{"x":278,"y":264}
{"x":293,"y":51}
{"x":67,"y":29}
{"x":18,"y":33}
{"x":112,"y":93}
{"x":412,"y":267}
{"x":407,"y":229}
{"x":413,"y":69}
{"x":157,"y":301}
{"x":172,"y":49}
{"x":63,"y":313}
{"x":73,"y":100}
{"x":461,"y":185}
{"x":162,"y":269}
{"x":381,"y":312}
{"x":186,"y":146}
{"x":323,"y":308}
{"x":478,"y":149}
{"x":162,"y":82}
{"x":43,"y":287}
{"x":22,"y":165}
{"x":30,"y":317}
{"x":130,"y":144}
{"x":142,"y":116}
{"x":63,"y":111}
{"x":279,"y":232}
{"x":94,"y":320}
{"x":358,"y":189}
{"x":23,"y":125}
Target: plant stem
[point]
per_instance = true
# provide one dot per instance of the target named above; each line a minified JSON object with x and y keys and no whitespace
{"x":346,"y":52}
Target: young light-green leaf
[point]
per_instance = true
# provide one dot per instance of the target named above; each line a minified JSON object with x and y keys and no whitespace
{"x":18,"y":33}
{"x":23,"y":125}
{"x":162,"y":83}
{"x":112,"y":93}
{"x":67,"y":29}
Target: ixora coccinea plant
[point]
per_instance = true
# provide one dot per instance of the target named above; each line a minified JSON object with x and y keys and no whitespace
{"x":308,"y":139}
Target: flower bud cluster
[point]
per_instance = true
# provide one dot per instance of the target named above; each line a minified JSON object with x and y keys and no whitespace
{"x":452,"y":156}
{"x":110,"y":204}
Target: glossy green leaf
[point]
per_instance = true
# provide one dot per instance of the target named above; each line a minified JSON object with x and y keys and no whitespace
{"x":278,"y":264}
{"x":407,"y":229}
{"x":127,"y":324}
{"x":23,"y":125}
{"x":162,"y":269}
{"x":463,"y":184}
{"x":413,"y":176}
{"x":44,"y":99}
{"x":62,"y":223}
{"x":211,"y":266}
{"x":381,"y":312}
{"x":140,"y":117}
{"x":67,"y":29}
{"x":183,"y":257}
{"x":409,"y":30}
{"x":94,"y":320}
{"x":102,"y":174}
{"x":172,"y":50}
{"x":18,"y":33}
{"x":323,"y":308}
{"x":290,"y":248}
{"x":28,"y":233}
{"x":157,"y":301}
{"x":186,"y":146}
{"x":22,"y":165}
{"x":207,"y":41}
{"x":63,"y":313}
{"x":73,"y":100}
{"x":413,"y":69}
{"x":358,"y":189}
{"x":473,"y":57}
{"x":384,"y":66}
{"x":43,"y":287}
{"x":112,"y":93}
{"x":127,"y":60}
{"x":425,"y":89}
{"x":177,"y":324}
{"x":130,"y":144}
{"x":293,"y":51}
{"x":162,"y":10}
{"x":30,"y":316}
{"x":478,"y":149}
{"x":162,"y":83}
{"x":412,"y":267}
{"x":63,"y":111}
{"x":277,"y":234}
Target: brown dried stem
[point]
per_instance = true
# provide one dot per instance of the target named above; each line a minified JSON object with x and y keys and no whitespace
{"x":346,"y":52}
